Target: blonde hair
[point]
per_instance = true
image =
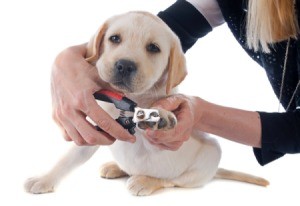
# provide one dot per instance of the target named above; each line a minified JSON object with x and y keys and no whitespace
{"x":270,"y":21}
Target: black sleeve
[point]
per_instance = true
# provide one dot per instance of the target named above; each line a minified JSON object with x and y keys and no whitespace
{"x":280,"y":136}
{"x":186,"y":21}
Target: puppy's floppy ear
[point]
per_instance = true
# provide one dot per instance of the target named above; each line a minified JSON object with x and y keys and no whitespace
{"x":176,"y":67}
{"x":93,"y":47}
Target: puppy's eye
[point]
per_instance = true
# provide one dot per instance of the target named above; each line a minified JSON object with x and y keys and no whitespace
{"x":153,"y":48}
{"x":116,"y":39}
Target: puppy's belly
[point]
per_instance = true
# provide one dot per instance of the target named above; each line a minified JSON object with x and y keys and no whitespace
{"x":142,"y":158}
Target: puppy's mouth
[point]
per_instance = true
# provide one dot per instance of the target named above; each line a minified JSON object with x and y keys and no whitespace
{"x":121,"y":86}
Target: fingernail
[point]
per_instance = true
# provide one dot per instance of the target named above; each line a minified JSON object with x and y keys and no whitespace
{"x":132,"y":140}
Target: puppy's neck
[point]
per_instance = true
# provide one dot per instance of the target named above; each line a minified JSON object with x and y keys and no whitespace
{"x":146,"y":99}
{"x":156,"y":92}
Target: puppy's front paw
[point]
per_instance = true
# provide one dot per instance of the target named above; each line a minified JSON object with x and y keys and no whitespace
{"x":39,"y":185}
{"x":144,"y":185}
{"x":111,"y":170}
{"x":167,"y":121}
{"x":141,"y":185}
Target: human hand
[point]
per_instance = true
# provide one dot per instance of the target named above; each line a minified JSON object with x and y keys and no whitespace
{"x":73,"y":83}
{"x":184,"y":107}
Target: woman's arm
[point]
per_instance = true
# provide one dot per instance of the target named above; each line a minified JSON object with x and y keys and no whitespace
{"x":195,"y":113}
{"x":234,"y":124}
{"x":186,"y":22}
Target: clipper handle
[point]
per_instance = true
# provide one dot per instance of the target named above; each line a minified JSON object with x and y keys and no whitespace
{"x":125,"y":122}
{"x":120,"y":101}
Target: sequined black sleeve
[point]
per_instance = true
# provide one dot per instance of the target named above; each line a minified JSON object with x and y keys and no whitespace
{"x":281,"y":135}
{"x":186,"y":21}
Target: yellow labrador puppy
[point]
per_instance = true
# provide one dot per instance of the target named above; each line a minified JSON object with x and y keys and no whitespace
{"x":137,"y":54}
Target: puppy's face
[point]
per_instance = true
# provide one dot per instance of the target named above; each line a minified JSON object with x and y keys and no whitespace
{"x":134,"y":52}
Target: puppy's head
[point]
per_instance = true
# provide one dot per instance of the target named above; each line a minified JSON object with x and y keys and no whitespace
{"x":136,"y":51}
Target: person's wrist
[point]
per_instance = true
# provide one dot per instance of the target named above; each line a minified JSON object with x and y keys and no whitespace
{"x":200,"y":107}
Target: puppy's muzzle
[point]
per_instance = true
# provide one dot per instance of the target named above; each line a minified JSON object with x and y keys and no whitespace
{"x":124,"y":74}
{"x":125,"y":68}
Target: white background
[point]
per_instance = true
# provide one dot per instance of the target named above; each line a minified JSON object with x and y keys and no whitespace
{"x":33,"y":32}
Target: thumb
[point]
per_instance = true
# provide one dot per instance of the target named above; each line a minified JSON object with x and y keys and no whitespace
{"x":170,"y":103}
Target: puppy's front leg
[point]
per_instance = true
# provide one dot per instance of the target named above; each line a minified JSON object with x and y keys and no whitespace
{"x":140,"y":185}
{"x":74,"y":158}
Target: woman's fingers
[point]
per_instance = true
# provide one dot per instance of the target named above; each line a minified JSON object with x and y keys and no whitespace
{"x":182,"y":106}
{"x":107,"y":123}
{"x":89,"y":133}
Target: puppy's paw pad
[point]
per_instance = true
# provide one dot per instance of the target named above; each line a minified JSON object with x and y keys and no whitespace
{"x":38,"y":185}
{"x":111,"y":170}
{"x":167,"y":121}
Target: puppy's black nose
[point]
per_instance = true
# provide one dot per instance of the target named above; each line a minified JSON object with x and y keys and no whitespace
{"x":125,"y":67}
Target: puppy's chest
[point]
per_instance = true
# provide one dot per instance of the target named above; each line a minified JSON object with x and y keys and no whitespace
{"x":136,"y":158}
{"x":142,"y":158}
{"x":140,"y":151}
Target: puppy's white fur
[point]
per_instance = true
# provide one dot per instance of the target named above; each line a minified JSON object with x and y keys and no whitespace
{"x":195,"y":163}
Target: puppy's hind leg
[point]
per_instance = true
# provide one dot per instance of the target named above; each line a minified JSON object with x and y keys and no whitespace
{"x":74,"y":158}
{"x":205,"y":165}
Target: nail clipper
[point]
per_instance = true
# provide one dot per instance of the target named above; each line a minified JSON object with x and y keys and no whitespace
{"x":124,"y":104}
